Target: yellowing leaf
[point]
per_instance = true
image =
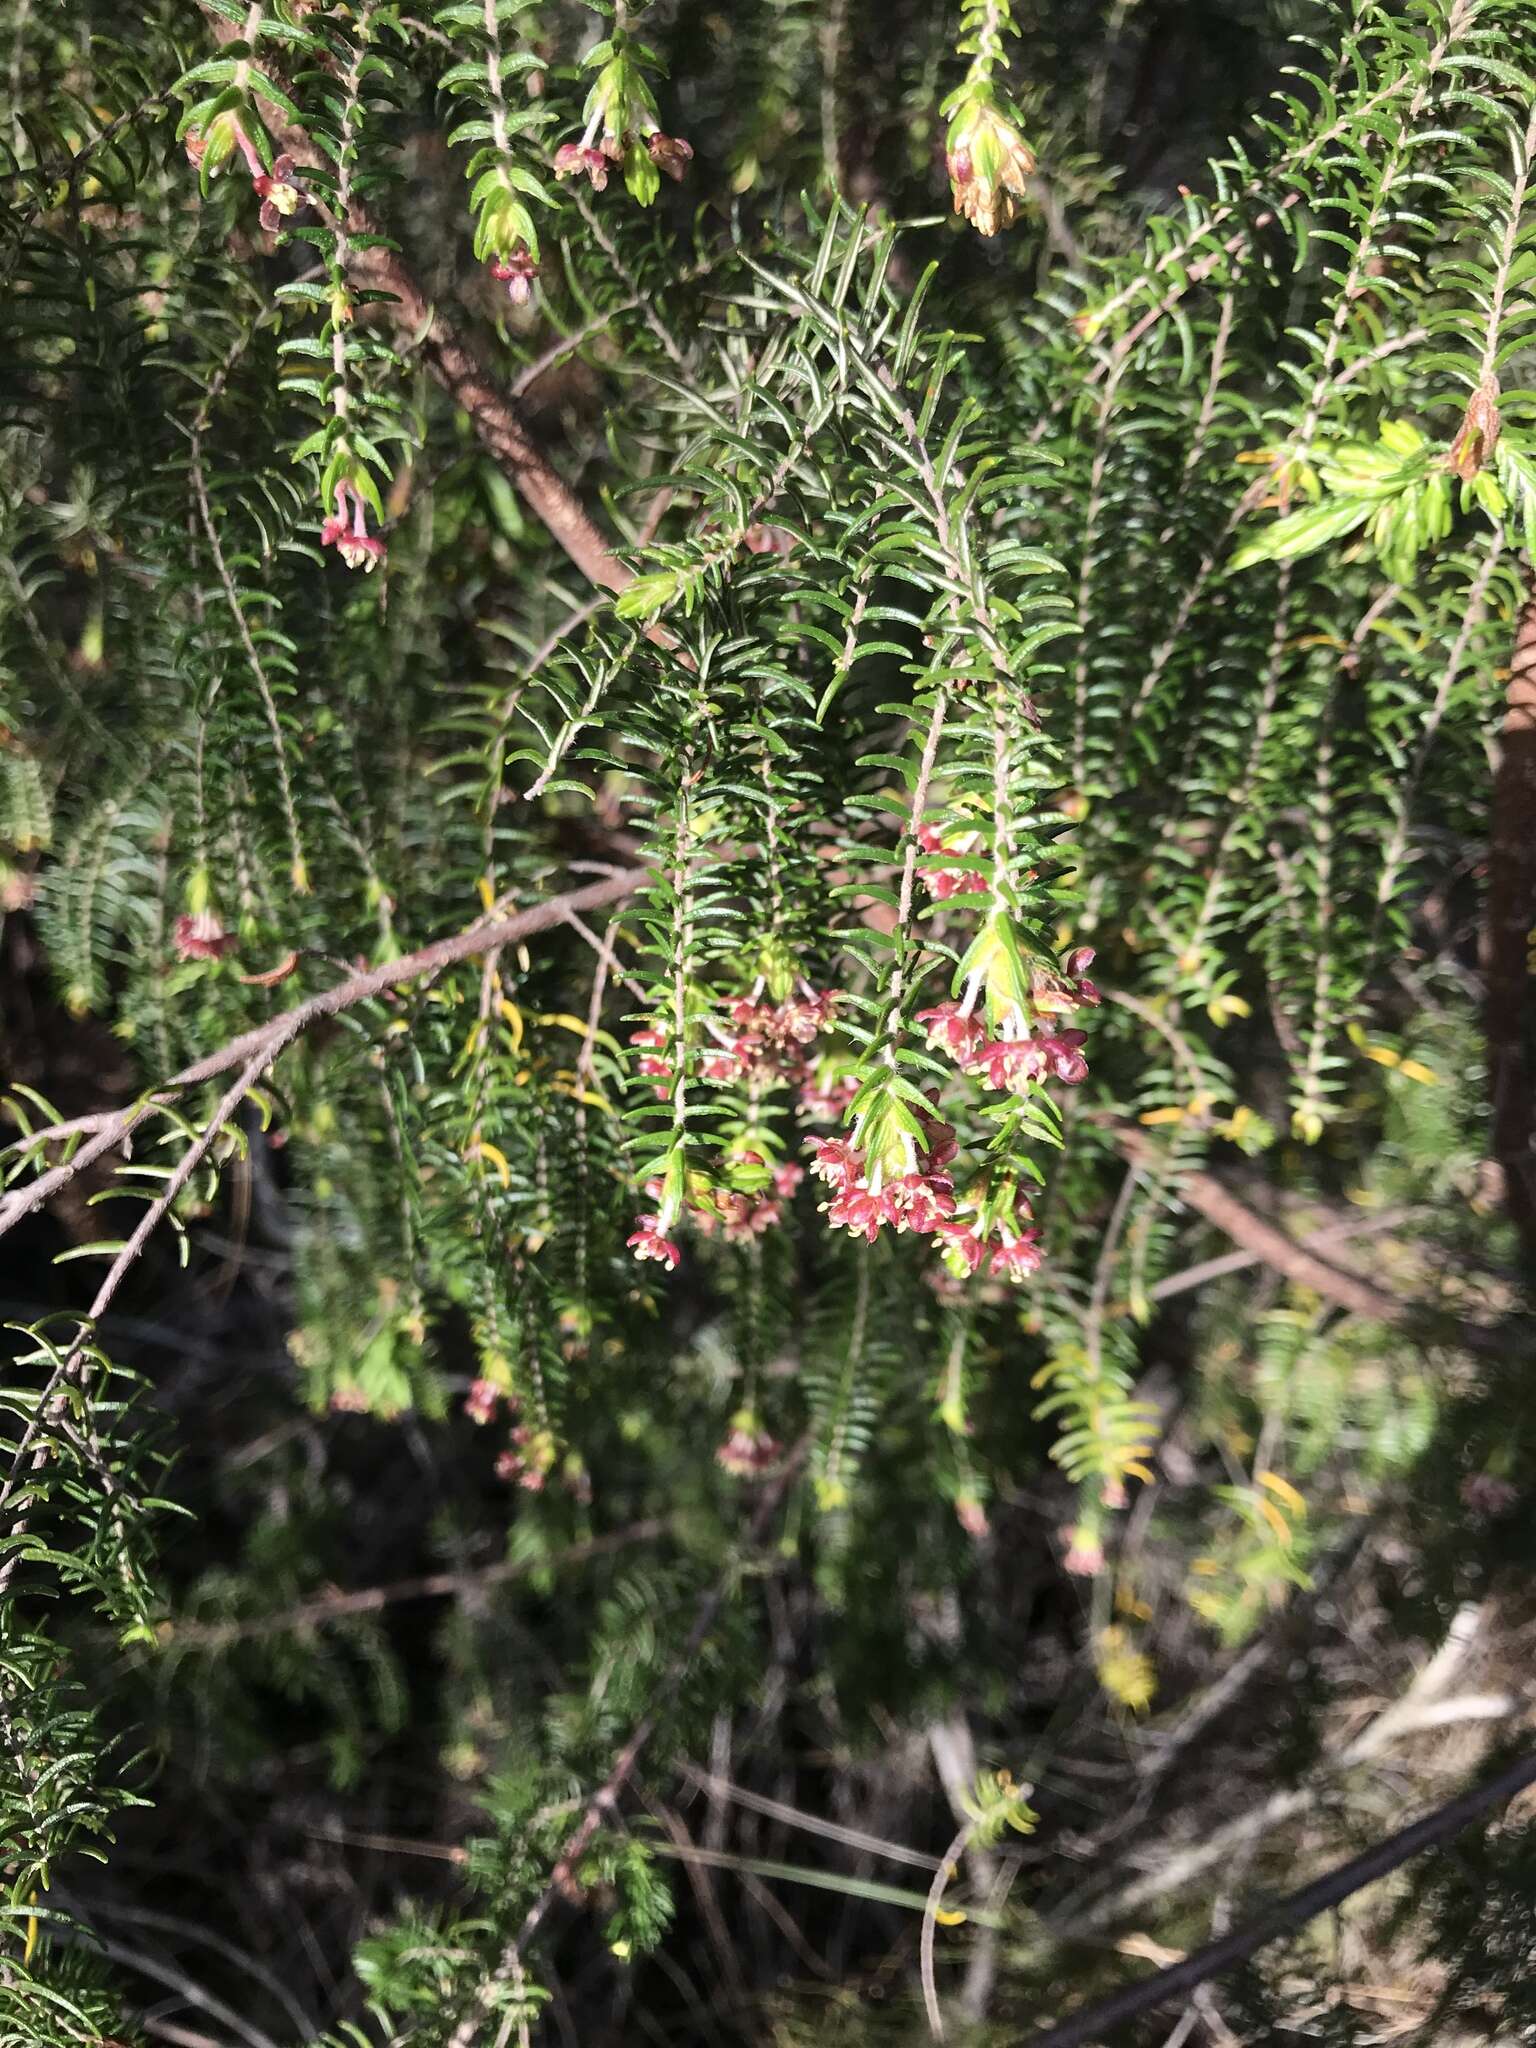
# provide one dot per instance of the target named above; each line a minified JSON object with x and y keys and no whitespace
{"x":1283,"y":1490}
{"x":949,"y":1918}
{"x":1275,"y":1519}
{"x":1415,"y":1070}
{"x":483,"y":1149}
{"x":1161,"y":1116}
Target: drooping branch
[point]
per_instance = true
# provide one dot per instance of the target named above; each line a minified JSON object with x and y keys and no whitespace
{"x":456,"y":364}
{"x":264,"y":1041}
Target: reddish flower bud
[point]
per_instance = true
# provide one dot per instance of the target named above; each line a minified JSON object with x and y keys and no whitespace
{"x":670,"y":153}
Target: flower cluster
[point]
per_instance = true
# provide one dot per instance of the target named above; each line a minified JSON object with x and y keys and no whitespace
{"x":1028,"y":1047}
{"x":755,"y":1040}
{"x":738,"y":1214}
{"x":980,"y":1228}
{"x":531,"y":1454}
{"x":199,"y":935}
{"x":347,"y":531}
{"x":989,"y":164}
{"x":768,"y":1041}
{"x":595,"y":156}
{"x":622,"y":129}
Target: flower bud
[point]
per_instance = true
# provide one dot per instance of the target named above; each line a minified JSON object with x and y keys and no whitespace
{"x":989,"y":165}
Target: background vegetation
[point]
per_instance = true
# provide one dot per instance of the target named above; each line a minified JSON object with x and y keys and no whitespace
{"x":768,"y":852}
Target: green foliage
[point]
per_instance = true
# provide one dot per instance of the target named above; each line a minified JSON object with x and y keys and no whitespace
{"x":916,"y":617}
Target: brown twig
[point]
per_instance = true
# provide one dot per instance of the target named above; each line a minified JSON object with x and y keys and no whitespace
{"x":1509,"y":917}
{"x":331,"y":1607}
{"x":455,"y":363}
{"x":264,"y":1041}
{"x":1287,"y":1914}
{"x":1307,"y":1268}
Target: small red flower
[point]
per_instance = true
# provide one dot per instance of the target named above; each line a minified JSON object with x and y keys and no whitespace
{"x":670,"y":153}
{"x":517,"y":272}
{"x":202,"y":937}
{"x":647,"y":1242}
{"x":952,"y":1030}
{"x":837,"y":1162}
{"x":944,"y":883}
{"x":972,"y":1517}
{"x":279,"y":194}
{"x":858,"y":1212}
{"x":350,"y":537}
{"x":576,"y":160}
{"x":748,"y":1448}
{"x":962,"y":1247}
{"x":481,"y":1401}
{"x":824,"y":1102}
{"x":919,"y":1202}
{"x":1063,"y":1055}
{"x":1017,"y":1258}
{"x":1487,"y":1494}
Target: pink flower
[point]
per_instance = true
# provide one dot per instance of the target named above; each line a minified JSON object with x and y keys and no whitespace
{"x":512,"y":1465}
{"x":1016,"y":1258}
{"x":787,"y":1178}
{"x":1075,"y":968}
{"x":650,"y":1063}
{"x":858,"y":1212}
{"x":804,"y":1016}
{"x":1487,"y":1494}
{"x":202,"y":937}
{"x":279,"y":195}
{"x":946,"y":882}
{"x":358,"y":548}
{"x":951,"y":1030}
{"x":837,"y":1162}
{"x":575,"y":160}
{"x":1085,"y":1553}
{"x":918,"y":1202}
{"x":481,"y":1401}
{"x":1063,"y":1056}
{"x":962,"y":1247}
{"x":517,"y":272}
{"x":1009,"y":1063}
{"x":748,"y":1448}
{"x":669,"y":153}
{"x":768,"y":540}
{"x":824,"y":1102}
{"x":972,"y":1517}
{"x":647,"y":1242}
